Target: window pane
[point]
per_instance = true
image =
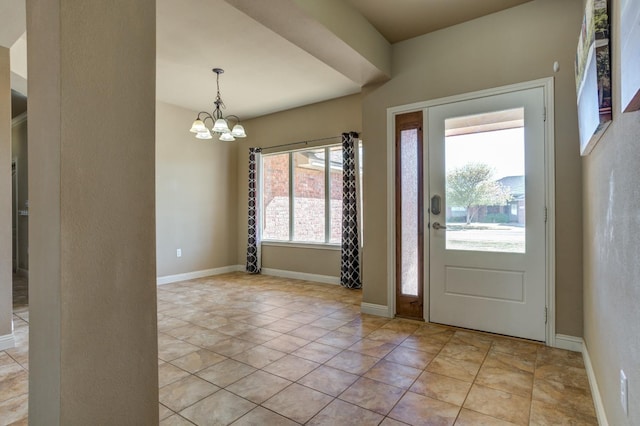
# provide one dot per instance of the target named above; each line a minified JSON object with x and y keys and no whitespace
{"x":309,"y":195}
{"x":486,"y":182}
{"x":409,"y":249}
{"x":335,"y":179}
{"x":275,"y":197}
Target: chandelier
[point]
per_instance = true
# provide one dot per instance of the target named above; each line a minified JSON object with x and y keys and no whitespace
{"x":220,"y":123}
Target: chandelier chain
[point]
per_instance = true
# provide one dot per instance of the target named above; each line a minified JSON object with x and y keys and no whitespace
{"x":218,"y":102}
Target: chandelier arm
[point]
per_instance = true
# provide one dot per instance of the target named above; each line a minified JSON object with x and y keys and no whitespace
{"x":233,"y":117}
{"x":206,"y":116}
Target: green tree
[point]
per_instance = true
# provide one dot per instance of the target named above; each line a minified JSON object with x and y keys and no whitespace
{"x":472,"y":186}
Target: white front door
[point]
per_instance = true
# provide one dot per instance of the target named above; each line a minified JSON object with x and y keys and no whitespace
{"x":487,"y":214}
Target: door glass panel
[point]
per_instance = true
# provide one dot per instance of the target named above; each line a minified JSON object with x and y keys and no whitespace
{"x":409,"y":184}
{"x":484,"y":162}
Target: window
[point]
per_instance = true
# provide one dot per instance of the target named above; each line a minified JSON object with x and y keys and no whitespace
{"x":302,"y":195}
{"x":275,"y":197}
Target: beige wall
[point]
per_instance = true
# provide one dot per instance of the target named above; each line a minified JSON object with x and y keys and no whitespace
{"x":611,"y":205}
{"x":516,"y":45}
{"x":5,"y":194}
{"x":93,"y":355}
{"x":19,"y":152}
{"x":320,"y":120}
{"x":195,"y":196}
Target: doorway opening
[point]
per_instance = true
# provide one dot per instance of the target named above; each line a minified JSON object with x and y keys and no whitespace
{"x":487,"y":259}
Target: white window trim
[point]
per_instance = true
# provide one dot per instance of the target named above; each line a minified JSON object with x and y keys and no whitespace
{"x":300,"y":244}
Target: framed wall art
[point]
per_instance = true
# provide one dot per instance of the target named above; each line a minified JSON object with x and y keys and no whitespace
{"x":593,"y":75}
{"x":629,"y":55}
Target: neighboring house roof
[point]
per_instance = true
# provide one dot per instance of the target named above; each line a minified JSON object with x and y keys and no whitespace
{"x":515,"y":185}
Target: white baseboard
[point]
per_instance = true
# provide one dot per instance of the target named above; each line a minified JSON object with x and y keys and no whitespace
{"x":327,"y":279}
{"x":595,"y":391}
{"x":168,"y":279}
{"x":7,"y":341}
{"x":373,"y":309}
{"x":570,"y":343}
{"x":576,"y":344}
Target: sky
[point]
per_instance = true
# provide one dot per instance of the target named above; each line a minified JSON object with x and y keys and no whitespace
{"x":503,"y":150}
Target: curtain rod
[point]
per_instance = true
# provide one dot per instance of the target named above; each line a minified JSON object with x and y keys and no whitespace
{"x":302,"y":142}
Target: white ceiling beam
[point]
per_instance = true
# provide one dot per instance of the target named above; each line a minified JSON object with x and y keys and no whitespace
{"x":330,"y":30}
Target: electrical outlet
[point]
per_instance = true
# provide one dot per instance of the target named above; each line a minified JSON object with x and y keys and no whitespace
{"x":624,"y":392}
{"x":178,"y":252}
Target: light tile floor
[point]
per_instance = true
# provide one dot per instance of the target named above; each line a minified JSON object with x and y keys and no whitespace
{"x":257,"y":350}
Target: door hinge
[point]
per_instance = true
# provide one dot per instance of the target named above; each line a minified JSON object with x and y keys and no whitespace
{"x":544,"y":113}
{"x":545,"y":314}
{"x":545,"y":215}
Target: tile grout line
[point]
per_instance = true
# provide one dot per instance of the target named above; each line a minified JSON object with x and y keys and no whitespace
{"x":187,"y":305}
{"x":473,"y":382}
{"x":423,"y":370}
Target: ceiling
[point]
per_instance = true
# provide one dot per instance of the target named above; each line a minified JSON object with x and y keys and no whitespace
{"x":279,"y":54}
{"x":264,"y":72}
{"x":400,"y":20}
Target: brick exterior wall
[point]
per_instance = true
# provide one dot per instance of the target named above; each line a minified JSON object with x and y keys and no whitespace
{"x":309,"y":196}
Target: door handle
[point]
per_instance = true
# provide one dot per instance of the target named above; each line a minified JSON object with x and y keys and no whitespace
{"x":436,"y":226}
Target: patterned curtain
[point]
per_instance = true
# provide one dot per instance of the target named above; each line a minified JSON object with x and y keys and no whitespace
{"x":350,"y":256}
{"x":253,"y":242}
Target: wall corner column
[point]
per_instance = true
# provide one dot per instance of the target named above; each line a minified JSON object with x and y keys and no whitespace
{"x":92,"y":274}
{"x":6,"y":305}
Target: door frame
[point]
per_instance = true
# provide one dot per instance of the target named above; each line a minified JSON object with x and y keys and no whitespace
{"x":547,"y":85}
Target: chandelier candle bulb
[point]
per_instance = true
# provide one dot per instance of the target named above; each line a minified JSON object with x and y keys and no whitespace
{"x":220,"y":124}
{"x":204,"y":135}
{"x":227,"y":137}
{"x":238,"y":131}
{"x":198,"y":127}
